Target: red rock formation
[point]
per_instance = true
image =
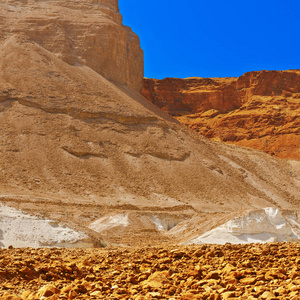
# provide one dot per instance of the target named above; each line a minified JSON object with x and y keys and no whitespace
{"x":259,"y":109}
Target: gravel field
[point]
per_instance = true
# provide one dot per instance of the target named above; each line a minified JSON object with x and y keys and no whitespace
{"x":252,"y":271}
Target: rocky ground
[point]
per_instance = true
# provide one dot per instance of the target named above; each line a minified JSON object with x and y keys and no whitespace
{"x":252,"y":271}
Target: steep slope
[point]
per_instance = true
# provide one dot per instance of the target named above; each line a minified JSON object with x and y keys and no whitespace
{"x":87,"y":32}
{"x":95,"y":155}
{"x":260,"y":110}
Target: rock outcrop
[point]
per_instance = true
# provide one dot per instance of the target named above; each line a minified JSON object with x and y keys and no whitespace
{"x":88,"y":32}
{"x":92,"y":153}
{"x":256,"y":226}
{"x":260,"y":110}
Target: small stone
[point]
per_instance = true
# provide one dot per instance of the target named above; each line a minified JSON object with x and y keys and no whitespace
{"x":213,"y":275}
{"x":260,"y":289}
{"x":157,"y":279}
{"x":9,"y":296}
{"x":47,"y":291}
{"x":228,"y":269}
{"x":72,"y":295}
{"x":248,"y":280}
{"x":295,"y":288}
{"x":154,"y":295}
{"x":268,"y":295}
{"x":114,"y":287}
{"x":189,"y":296}
{"x":96,"y":293}
{"x":228,"y":295}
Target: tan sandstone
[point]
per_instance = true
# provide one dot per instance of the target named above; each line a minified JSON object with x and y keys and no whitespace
{"x":80,"y":146}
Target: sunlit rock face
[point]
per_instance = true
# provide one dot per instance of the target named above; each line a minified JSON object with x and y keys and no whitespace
{"x":96,"y":156}
{"x":87,"y":32}
{"x":260,"y":110}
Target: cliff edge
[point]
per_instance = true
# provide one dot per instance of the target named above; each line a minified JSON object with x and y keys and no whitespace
{"x":88,"y":32}
{"x":260,"y":110}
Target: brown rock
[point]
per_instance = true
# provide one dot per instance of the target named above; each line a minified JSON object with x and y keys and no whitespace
{"x":261,"y":289}
{"x":69,"y":133}
{"x":260,"y":110}
{"x":281,"y":291}
{"x":268,"y":295}
{"x":248,"y":280}
{"x":190,"y":296}
{"x":82,"y":33}
{"x":228,"y":269}
{"x":198,"y":253}
{"x":213,"y":275}
{"x":80,"y":289}
{"x":72,"y":295}
{"x":96,"y":294}
{"x":228,"y":295}
{"x":157,"y":280}
{"x":153,"y":295}
{"x":47,"y":291}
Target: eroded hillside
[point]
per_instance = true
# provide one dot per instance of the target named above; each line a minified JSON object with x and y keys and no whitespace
{"x":83,"y":148}
{"x":260,"y":110}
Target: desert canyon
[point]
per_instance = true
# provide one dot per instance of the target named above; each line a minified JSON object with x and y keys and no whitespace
{"x":87,"y":161}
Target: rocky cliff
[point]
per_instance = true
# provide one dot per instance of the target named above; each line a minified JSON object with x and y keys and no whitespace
{"x":88,"y":32}
{"x":260,"y":110}
{"x":95,"y":155}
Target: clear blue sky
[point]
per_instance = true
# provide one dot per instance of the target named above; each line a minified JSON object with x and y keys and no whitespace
{"x":215,"y":38}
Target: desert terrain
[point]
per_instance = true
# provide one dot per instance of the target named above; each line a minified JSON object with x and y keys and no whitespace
{"x":260,"y":109}
{"x":252,"y":271}
{"x":104,"y":195}
{"x":81,"y":148}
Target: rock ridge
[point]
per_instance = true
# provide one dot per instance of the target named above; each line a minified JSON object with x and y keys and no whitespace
{"x":260,"y":109}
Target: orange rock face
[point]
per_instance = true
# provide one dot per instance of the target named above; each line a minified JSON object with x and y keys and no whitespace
{"x":259,"y":109}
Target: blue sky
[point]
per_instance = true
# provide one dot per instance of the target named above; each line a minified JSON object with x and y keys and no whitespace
{"x":215,"y":38}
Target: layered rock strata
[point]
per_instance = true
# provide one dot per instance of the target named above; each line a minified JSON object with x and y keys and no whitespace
{"x":260,"y":110}
{"x":85,"y":32}
{"x":96,"y":156}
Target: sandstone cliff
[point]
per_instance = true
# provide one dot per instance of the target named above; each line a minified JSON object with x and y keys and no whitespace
{"x":88,"y":32}
{"x":93,"y":153}
{"x":260,"y":110}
